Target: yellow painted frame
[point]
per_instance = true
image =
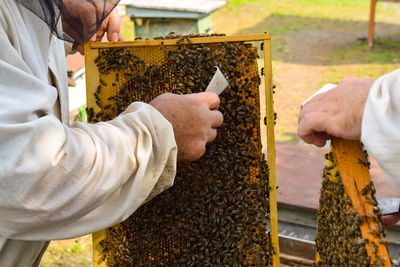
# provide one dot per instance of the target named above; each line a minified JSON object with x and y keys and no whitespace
{"x":355,"y":177}
{"x":92,"y":81}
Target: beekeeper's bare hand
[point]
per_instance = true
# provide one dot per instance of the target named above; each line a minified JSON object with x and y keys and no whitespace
{"x":337,"y":112}
{"x":81,"y":20}
{"x":111,"y":26}
{"x":194,"y":118}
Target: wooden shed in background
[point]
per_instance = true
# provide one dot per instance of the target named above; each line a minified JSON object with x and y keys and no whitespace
{"x":158,"y":18}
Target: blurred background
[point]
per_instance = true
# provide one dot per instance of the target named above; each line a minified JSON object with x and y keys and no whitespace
{"x":314,"y":42}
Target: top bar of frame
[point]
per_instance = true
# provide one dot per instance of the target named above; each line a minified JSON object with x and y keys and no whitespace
{"x":194,"y":40}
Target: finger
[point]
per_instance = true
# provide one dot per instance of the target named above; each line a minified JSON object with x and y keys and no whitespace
{"x":113,"y":26}
{"x":311,"y":124}
{"x":391,"y":219}
{"x":309,"y":107}
{"x":304,"y":110}
{"x":216,"y":118}
{"x":324,"y":136}
{"x":99,"y":34}
{"x":314,"y":139}
{"x":316,"y":103}
{"x":212,"y":135}
{"x":101,"y":10}
{"x":319,"y":139}
{"x":211,"y":99}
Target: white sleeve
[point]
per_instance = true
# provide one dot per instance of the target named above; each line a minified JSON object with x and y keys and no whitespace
{"x":381,"y":126}
{"x":60,"y":182}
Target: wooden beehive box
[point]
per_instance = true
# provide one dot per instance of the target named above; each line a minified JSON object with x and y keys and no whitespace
{"x":217,"y":210}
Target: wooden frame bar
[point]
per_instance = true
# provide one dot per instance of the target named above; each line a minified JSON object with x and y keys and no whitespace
{"x":194,"y":40}
{"x":355,"y":177}
{"x":269,"y":103}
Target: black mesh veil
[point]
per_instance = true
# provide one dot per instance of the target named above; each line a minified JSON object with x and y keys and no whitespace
{"x":80,"y":18}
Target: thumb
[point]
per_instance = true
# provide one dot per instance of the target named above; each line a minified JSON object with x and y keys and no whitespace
{"x":113,"y":26}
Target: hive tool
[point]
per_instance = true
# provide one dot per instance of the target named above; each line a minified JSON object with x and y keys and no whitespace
{"x":218,"y":83}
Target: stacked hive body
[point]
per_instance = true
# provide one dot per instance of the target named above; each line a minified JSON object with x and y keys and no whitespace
{"x":216,"y":212}
{"x":350,"y":231}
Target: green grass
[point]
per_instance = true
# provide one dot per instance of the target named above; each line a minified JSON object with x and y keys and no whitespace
{"x":282,"y":16}
{"x":384,"y":51}
{"x":241,"y":2}
{"x":69,"y":253}
{"x":361,"y":61}
{"x":353,"y":3}
{"x":287,"y":136}
{"x":368,"y":71}
{"x":315,"y":8}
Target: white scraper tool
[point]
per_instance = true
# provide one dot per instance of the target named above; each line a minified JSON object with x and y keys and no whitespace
{"x":218,"y":83}
{"x":389,"y":205}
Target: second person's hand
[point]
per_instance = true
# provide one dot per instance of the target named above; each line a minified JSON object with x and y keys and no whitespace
{"x":337,"y":112}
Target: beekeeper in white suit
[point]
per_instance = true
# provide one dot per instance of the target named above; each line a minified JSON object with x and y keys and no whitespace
{"x":59,"y":181}
{"x":360,"y":109}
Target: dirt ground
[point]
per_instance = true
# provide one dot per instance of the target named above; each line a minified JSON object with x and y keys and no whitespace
{"x":303,"y":70}
{"x":300,"y":73}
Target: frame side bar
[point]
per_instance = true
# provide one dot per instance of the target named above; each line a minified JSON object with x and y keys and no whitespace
{"x":269,"y":103}
{"x":92,"y":81}
{"x":355,"y":177}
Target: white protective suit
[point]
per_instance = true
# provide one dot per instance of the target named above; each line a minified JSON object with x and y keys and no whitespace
{"x":380,"y":131}
{"x":56,"y":181}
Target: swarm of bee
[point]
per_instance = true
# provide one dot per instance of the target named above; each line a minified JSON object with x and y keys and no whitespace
{"x":339,"y":240}
{"x":217,"y":211}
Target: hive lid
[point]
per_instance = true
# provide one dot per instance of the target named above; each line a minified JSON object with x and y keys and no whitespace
{"x":201,"y":6}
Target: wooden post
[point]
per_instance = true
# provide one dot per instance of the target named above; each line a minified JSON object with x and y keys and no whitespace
{"x":371,"y":23}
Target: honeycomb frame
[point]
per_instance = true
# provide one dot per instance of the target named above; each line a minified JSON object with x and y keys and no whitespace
{"x":93,"y":81}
